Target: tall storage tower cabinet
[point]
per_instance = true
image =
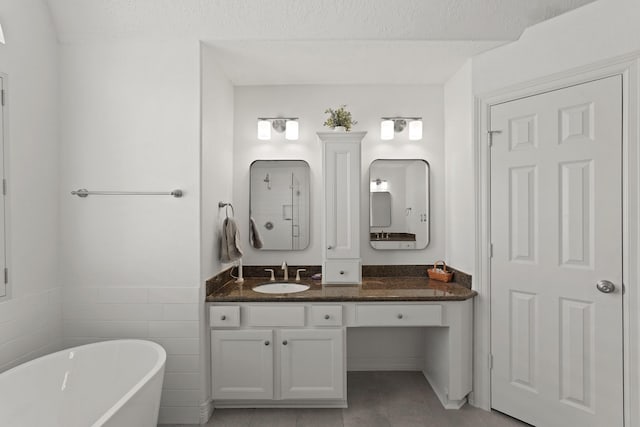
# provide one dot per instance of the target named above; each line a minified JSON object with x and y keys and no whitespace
{"x":341,"y":262}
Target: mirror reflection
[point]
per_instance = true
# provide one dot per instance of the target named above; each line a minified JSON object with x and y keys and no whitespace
{"x":279,"y":205}
{"x":399,"y":204}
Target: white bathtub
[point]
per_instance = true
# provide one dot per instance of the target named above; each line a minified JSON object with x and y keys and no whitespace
{"x":110,"y":383}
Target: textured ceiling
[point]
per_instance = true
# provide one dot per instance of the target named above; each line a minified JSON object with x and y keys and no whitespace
{"x":304,"y":19}
{"x":384,"y":41}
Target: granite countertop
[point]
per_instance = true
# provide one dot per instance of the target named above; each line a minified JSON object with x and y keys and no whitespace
{"x":394,"y":237}
{"x":409,"y":288}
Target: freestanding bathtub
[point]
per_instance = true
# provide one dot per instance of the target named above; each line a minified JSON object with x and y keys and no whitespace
{"x":111,"y":383}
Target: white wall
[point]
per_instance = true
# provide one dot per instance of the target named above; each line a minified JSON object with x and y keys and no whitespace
{"x":131,"y":264}
{"x":368,"y":104}
{"x":459,"y":170}
{"x":216,"y":170}
{"x":30,"y":322}
{"x":600,"y":30}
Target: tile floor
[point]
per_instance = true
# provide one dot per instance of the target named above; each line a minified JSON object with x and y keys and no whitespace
{"x":376,"y":399}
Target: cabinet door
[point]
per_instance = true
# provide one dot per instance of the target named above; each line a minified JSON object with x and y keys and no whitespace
{"x":342,"y":204}
{"x":312,"y":364}
{"x":242,"y":364}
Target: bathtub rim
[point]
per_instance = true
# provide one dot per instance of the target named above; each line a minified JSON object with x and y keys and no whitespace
{"x":153,"y":371}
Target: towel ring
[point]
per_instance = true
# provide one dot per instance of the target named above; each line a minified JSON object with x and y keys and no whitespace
{"x":226,"y":205}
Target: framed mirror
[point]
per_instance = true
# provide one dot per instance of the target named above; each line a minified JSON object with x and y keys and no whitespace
{"x":279,"y":205}
{"x":399,"y":204}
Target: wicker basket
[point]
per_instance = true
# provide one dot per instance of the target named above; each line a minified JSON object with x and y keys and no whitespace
{"x":440,"y":274}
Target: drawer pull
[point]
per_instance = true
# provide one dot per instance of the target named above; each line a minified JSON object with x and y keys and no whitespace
{"x":342,"y":272}
{"x":327,"y":317}
{"x":284,"y":342}
{"x":400,"y":316}
{"x":223,"y":317}
{"x":267,"y":343}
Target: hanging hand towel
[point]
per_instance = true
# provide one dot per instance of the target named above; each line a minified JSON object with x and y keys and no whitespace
{"x":230,"y":241}
{"x":254,"y":235}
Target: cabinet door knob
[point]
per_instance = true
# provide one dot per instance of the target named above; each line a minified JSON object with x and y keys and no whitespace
{"x":284,"y":342}
{"x":267,"y":343}
{"x":400,"y":316}
{"x":342,"y":272}
{"x":326,"y":316}
{"x":329,"y":247}
{"x":223,"y":317}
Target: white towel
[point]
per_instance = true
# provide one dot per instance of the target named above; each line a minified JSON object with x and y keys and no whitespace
{"x":230,"y":241}
{"x":254,"y":235}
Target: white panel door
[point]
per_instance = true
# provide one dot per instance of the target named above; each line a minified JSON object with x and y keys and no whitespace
{"x":242,"y":364}
{"x":3,"y":206}
{"x":312,"y":363}
{"x":556,"y":227}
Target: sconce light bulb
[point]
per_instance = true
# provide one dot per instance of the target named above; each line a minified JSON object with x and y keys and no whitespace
{"x":264,"y":130}
{"x":291,"y":131}
{"x":386,"y":130}
{"x":415,"y":130}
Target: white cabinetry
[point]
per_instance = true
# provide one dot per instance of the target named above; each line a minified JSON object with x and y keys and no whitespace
{"x":252,"y":362}
{"x":341,"y":173}
{"x":311,"y":364}
{"x":243,"y":364}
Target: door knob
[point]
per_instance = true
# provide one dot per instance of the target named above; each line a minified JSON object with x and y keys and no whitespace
{"x":605,"y":286}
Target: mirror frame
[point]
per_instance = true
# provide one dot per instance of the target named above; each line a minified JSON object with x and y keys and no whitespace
{"x":308,"y":207}
{"x":427,"y":198}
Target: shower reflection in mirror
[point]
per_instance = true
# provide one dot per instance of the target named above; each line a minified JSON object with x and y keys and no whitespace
{"x":279,"y":204}
{"x":399,"y":204}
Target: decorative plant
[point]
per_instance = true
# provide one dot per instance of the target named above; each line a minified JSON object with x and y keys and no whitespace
{"x":339,"y":117}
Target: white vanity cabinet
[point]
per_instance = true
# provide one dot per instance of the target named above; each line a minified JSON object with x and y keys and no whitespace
{"x":278,"y":353}
{"x":341,"y":210}
{"x":243,"y":364}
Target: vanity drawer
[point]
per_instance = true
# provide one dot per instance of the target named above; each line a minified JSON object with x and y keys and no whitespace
{"x":342,"y":272}
{"x":224,"y":316}
{"x":326,"y":315}
{"x":272,"y":315}
{"x":399,"y":315}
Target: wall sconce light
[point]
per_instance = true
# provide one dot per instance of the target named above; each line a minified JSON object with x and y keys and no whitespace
{"x":1,"y":35}
{"x":379,"y":185}
{"x":392,"y":125}
{"x":288,"y":125}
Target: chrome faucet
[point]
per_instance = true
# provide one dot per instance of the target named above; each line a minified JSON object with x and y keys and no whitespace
{"x":286,"y":270}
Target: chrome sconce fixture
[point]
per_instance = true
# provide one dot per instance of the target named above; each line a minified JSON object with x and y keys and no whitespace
{"x":391,"y":125}
{"x":379,"y":185}
{"x":288,"y":125}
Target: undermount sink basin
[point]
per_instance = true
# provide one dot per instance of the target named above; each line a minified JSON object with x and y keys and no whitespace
{"x":281,"y":288}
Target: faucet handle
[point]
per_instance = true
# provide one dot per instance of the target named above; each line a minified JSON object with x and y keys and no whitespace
{"x":298,"y":273}
{"x":273,"y":278}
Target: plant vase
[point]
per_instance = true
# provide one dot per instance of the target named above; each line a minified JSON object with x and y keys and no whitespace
{"x":340,"y":129}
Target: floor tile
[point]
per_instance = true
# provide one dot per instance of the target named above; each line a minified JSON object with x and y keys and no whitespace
{"x":376,"y":399}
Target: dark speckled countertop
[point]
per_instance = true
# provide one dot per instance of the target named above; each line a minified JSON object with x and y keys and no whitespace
{"x":409,"y":288}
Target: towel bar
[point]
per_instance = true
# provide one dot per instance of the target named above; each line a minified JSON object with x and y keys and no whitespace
{"x":83,"y":192}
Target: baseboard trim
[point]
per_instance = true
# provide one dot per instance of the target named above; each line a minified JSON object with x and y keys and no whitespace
{"x":206,"y":410}
{"x":279,"y":404}
{"x":378,"y":364}
{"x":442,"y":396}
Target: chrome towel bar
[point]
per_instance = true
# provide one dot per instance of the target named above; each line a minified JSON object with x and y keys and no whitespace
{"x":83,"y":192}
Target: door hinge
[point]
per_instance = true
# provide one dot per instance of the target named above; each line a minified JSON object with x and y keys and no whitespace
{"x":2,"y":95}
{"x":490,"y":360}
{"x":490,"y":139}
{"x":490,"y":250}
{"x":6,"y":275}
{"x":4,"y":187}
